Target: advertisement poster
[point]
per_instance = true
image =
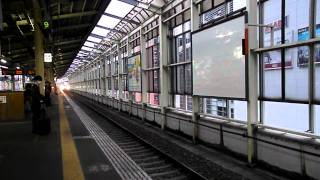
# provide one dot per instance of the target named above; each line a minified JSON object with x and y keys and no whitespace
{"x":272,"y":59}
{"x":303,"y":51}
{"x":317,"y":47}
{"x":134,"y":73}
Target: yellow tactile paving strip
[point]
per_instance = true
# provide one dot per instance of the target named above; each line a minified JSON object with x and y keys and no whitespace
{"x":70,"y":160}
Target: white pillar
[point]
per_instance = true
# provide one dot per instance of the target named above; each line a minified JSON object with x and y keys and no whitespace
{"x":195,"y":20}
{"x":164,"y":74}
{"x":252,"y":105}
{"x":144,"y":74}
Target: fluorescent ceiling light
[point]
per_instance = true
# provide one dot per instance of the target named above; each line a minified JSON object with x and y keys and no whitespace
{"x":94,"y":39}
{"x":100,"y":31}
{"x":3,"y":61}
{"x":115,"y":5}
{"x":107,"y":21}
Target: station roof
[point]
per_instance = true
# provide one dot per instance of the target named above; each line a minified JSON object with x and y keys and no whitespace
{"x":79,"y":29}
{"x":117,"y":21}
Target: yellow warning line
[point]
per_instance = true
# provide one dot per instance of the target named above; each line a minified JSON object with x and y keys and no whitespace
{"x":70,"y":160}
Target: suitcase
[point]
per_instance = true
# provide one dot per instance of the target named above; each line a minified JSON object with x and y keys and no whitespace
{"x":43,"y":124}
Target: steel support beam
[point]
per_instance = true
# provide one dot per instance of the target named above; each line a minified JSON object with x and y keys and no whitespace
{"x":67,"y":42}
{"x":110,"y":29}
{"x":122,"y":19}
{"x":74,"y":15}
{"x":73,"y":27}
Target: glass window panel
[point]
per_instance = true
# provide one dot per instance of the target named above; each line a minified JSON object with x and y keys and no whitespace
{"x":156,"y":53}
{"x":86,"y":48}
{"x":137,"y":97}
{"x":239,"y":110}
{"x":177,"y":30}
{"x":272,"y":16}
{"x":272,"y":74}
{"x":317,"y":72}
{"x":180,"y":79}
{"x":297,"y":81}
{"x":149,"y":57}
{"x":317,"y":119}
{"x":217,"y":2}
{"x":317,"y":30}
{"x":89,"y":44}
{"x":187,"y":26}
{"x":206,"y":5}
{"x":180,"y":48}
{"x":150,"y":84}
{"x":286,"y":115}
{"x":100,"y":31}
{"x":238,"y":4}
{"x":173,"y":72}
{"x":156,"y":81}
{"x":113,"y":8}
{"x":188,"y":47}
{"x":177,"y":101}
{"x":297,"y":20}
{"x":187,"y":14}
{"x":189,"y":103}
{"x":182,"y":102}
{"x":188,"y":79}
{"x":107,"y":21}
{"x":90,"y":38}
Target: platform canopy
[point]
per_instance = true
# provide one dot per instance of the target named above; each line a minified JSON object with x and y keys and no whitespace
{"x":119,"y":18}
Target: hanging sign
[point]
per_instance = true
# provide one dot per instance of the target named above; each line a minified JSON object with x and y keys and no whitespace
{"x":47,"y":57}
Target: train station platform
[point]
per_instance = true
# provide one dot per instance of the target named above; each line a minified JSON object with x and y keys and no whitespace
{"x":66,"y":153}
{"x":80,"y":146}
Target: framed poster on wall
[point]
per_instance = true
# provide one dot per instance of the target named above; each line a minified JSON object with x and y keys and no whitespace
{"x":134,"y":73}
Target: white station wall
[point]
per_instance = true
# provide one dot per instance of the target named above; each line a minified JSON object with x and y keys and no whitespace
{"x":218,"y":63}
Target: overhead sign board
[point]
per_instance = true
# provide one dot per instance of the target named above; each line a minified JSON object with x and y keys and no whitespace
{"x":11,"y":71}
{"x":47,"y":57}
{"x":46,"y":24}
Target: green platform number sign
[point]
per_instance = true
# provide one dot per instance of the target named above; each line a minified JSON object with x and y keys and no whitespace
{"x":45,"y":24}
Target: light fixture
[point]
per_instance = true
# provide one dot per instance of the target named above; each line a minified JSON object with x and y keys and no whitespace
{"x":18,"y":67}
{"x":3,"y":61}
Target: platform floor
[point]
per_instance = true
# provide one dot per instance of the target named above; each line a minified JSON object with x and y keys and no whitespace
{"x":24,"y":155}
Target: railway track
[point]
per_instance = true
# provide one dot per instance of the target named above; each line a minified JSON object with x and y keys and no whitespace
{"x":157,"y":164}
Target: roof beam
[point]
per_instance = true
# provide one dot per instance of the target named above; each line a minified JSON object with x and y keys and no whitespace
{"x":62,"y":65}
{"x":73,"y":27}
{"x":110,"y":29}
{"x":74,"y":15}
{"x":67,"y":42}
{"x":122,"y":19}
